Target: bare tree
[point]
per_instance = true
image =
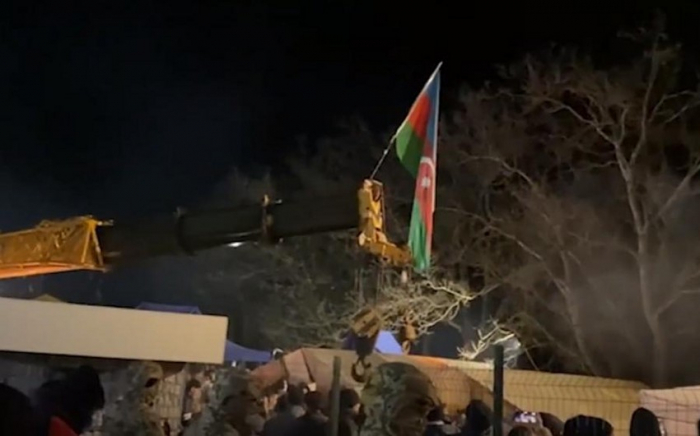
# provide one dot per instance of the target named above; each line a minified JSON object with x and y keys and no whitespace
{"x":423,"y":301}
{"x":488,"y":335}
{"x":312,"y":292}
{"x":310,"y":312}
{"x":581,"y":209}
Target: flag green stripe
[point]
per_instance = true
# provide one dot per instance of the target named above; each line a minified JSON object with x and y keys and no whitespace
{"x":409,"y":148}
{"x":418,"y":240}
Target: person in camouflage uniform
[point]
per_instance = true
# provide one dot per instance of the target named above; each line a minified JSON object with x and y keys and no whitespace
{"x":151,"y":379}
{"x":136,"y":411}
{"x":239,"y":410}
{"x":396,"y":399}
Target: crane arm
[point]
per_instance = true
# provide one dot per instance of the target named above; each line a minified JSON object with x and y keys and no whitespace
{"x":187,"y":232}
{"x":51,"y":247}
{"x":85,"y":243}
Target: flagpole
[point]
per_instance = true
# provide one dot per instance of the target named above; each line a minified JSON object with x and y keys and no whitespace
{"x":381,"y":159}
{"x":393,"y":137}
{"x":437,"y":135}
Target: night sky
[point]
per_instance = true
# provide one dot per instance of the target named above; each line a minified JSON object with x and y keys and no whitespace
{"x":121,"y":110}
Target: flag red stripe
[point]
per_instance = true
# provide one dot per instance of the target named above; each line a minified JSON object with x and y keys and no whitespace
{"x":419,"y":116}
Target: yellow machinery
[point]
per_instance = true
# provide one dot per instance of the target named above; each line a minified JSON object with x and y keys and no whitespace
{"x":51,"y":247}
{"x":372,"y":229}
{"x":85,"y":243}
{"x":364,"y":328}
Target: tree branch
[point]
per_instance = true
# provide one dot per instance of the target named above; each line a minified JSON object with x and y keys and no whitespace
{"x":675,"y":298}
{"x":680,"y":188}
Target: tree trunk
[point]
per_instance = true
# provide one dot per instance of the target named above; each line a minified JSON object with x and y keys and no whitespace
{"x":579,"y":336}
{"x":659,"y":349}
{"x":641,"y":227}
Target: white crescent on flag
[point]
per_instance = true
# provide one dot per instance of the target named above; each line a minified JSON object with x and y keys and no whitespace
{"x":426,"y":172}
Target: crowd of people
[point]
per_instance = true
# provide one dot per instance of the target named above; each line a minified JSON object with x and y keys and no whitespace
{"x":301,"y":412}
{"x":301,"y":416}
{"x":401,"y":402}
{"x":62,"y":407}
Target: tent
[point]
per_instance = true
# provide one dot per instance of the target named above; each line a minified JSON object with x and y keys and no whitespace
{"x":232,"y":351}
{"x":171,"y":308}
{"x":386,"y":343}
{"x":48,"y":298}
{"x":238,"y":353}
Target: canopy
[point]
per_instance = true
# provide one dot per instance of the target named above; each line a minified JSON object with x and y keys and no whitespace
{"x":232,"y":352}
{"x":239,"y":353}
{"x":386,"y":343}
{"x":157,"y":307}
{"x":48,"y":298}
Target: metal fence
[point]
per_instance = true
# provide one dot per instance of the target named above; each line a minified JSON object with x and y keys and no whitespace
{"x":509,"y":392}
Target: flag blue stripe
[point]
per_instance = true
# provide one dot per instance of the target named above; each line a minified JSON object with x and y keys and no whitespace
{"x":433,"y":92}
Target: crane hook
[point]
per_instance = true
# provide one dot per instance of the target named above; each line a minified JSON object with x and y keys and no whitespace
{"x":360,"y":370}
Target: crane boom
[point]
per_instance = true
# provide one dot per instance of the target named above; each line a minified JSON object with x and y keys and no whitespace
{"x":188,"y":232}
{"x":85,"y":243}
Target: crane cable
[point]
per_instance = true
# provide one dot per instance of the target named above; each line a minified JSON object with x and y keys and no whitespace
{"x":360,"y":368}
{"x":383,"y":157}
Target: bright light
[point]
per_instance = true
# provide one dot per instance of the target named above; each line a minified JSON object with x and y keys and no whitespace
{"x":235,"y":244}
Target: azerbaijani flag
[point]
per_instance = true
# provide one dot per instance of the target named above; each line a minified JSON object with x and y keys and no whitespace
{"x":416,"y":146}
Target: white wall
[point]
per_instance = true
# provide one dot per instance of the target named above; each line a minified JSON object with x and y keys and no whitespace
{"x":93,"y":331}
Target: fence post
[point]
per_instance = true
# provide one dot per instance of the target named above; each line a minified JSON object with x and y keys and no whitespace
{"x":335,"y":397}
{"x":498,"y":365}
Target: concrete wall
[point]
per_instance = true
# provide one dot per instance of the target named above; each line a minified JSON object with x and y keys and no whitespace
{"x":64,"y":329}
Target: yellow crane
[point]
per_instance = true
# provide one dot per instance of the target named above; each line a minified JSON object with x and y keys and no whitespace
{"x":88,"y":243}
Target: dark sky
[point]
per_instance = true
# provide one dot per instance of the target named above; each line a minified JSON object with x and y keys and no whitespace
{"x":109,"y":108}
{"x":129,"y":108}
